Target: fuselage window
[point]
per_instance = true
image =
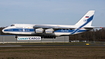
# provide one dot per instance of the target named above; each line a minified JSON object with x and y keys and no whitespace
{"x":71,"y":29}
{"x":12,"y":25}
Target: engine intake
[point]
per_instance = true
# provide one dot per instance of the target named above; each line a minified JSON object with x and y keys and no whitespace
{"x":48,"y":31}
{"x":39,"y":30}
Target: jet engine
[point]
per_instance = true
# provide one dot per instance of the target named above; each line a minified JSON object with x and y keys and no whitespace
{"x":49,"y":31}
{"x":39,"y":30}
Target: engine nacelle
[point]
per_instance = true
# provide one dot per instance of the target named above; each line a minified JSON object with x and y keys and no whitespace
{"x":49,"y":31}
{"x":39,"y":30}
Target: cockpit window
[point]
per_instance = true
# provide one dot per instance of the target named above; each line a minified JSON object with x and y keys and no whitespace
{"x":12,"y":25}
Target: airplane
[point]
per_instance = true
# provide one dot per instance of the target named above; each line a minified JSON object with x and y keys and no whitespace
{"x":52,"y":31}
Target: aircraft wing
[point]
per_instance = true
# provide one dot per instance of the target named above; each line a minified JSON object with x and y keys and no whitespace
{"x":63,"y":27}
{"x":53,"y":26}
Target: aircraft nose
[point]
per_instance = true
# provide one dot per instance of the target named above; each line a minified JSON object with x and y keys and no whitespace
{"x":3,"y":30}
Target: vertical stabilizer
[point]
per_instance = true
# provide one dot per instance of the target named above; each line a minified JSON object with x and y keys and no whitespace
{"x":86,"y":19}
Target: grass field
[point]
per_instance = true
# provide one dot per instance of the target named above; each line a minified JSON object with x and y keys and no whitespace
{"x":53,"y":52}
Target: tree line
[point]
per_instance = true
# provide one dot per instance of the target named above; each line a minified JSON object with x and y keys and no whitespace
{"x":93,"y":35}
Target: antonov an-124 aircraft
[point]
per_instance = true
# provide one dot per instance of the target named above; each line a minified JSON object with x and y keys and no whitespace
{"x":52,"y":31}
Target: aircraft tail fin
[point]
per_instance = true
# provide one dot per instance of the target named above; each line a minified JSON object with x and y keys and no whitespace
{"x":86,"y":20}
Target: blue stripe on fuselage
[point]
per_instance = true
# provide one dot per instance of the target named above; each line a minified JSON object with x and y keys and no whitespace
{"x":68,"y":31}
{"x":32,"y":30}
{"x":19,"y":30}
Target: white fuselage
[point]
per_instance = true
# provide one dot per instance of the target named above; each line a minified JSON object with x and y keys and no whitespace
{"x":28,"y":29}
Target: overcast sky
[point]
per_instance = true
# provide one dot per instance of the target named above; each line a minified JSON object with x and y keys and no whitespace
{"x":66,"y":12}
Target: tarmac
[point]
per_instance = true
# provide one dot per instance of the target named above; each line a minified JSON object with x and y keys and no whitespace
{"x":47,"y":45}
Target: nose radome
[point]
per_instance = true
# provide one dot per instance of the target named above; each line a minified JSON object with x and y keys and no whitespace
{"x":3,"y":30}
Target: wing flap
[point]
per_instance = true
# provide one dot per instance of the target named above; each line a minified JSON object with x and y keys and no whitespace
{"x":93,"y":27}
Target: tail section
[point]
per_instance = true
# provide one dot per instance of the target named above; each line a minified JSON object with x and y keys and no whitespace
{"x":86,"y":19}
